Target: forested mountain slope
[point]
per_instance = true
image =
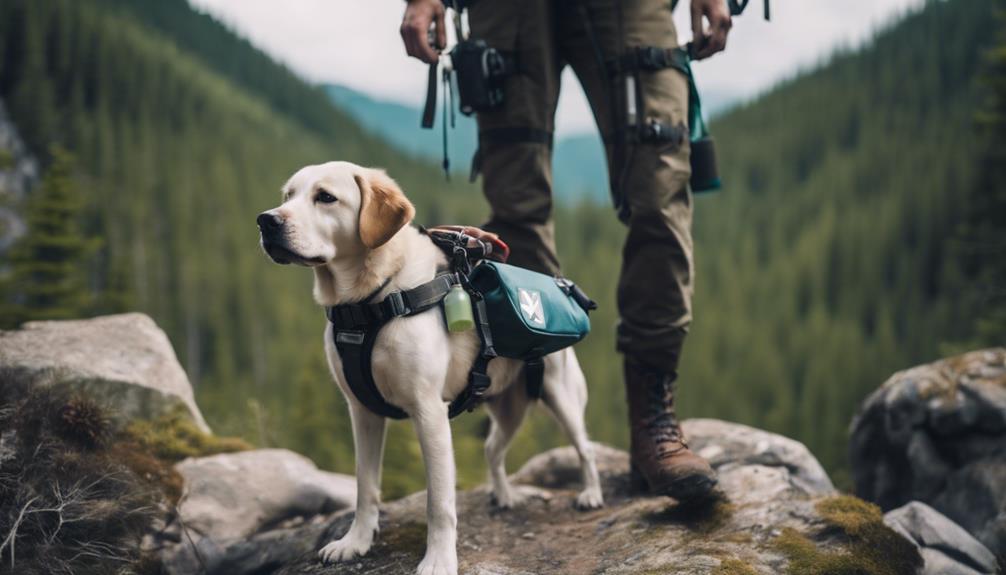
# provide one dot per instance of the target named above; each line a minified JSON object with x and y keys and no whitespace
{"x":834,"y":238}
{"x":175,"y":162}
{"x":822,"y":266}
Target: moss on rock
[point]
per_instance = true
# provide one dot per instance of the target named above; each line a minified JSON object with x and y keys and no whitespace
{"x":734,"y":566}
{"x":866,"y":545}
{"x":174,"y":436}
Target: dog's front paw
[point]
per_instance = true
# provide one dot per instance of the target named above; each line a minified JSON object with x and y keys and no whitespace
{"x":590,"y":498}
{"x":351,"y":545}
{"x":439,"y":563}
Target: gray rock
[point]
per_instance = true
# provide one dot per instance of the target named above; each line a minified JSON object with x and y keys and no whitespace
{"x":236,"y":510}
{"x":123,"y":361}
{"x":937,"y":433}
{"x":929,"y":470}
{"x":258,"y":553}
{"x":233,"y":495}
{"x":772,"y":483}
{"x":975,"y":497}
{"x":724,"y":443}
{"x":945,"y":546}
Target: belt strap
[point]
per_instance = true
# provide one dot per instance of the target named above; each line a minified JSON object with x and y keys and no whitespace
{"x":652,"y":58}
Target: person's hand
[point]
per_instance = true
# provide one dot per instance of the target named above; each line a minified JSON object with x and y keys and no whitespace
{"x":708,"y":41}
{"x":416,"y":25}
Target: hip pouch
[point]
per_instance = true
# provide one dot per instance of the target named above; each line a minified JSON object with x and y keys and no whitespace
{"x":530,"y":314}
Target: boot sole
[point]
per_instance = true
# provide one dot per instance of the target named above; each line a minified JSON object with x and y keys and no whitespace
{"x":691,"y":488}
{"x":686,"y":489}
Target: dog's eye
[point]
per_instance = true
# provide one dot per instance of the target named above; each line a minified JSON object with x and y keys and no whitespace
{"x":324,"y":197}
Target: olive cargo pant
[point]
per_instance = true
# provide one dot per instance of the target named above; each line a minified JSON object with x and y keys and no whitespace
{"x":655,"y":285}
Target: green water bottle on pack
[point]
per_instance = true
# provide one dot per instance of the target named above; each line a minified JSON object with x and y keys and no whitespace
{"x":458,"y":309}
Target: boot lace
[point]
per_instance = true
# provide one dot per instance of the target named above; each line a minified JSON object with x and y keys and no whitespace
{"x":661,"y":421}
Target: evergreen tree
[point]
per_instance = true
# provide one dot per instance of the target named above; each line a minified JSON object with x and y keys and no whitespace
{"x":47,"y":278}
{"x":984,"y":242}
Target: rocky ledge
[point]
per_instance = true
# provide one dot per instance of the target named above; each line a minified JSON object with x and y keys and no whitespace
{"x":209,"y":505}
{"x":781,"y":510}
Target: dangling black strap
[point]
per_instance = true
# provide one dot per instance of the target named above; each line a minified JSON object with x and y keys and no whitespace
{"x":478,"y":377}
{"x":534,"y":375}
{"x":430,"y":108}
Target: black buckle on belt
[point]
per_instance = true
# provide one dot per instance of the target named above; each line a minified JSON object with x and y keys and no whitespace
{"x":396,"y":304}
{"x":480,"y":385}
{"x":652,"y":58}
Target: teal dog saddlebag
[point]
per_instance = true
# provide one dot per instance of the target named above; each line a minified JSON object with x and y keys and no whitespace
{"x":530,"y":314}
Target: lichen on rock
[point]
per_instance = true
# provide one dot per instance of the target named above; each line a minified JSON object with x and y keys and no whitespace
{"x":935,"y":433}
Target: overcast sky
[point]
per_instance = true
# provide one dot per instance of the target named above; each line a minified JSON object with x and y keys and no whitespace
{"x":356,"y":43}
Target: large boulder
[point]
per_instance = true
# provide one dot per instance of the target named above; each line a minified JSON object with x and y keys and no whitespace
{"x":945,"y":546}
{"x":228,"y":498}
{"x":123,"y":361}
{"x":727,"y":445}
{"x":774,"y":486}
{"x":937,"y":434}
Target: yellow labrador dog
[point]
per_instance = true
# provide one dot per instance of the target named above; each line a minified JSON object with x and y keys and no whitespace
{"x":351,"y":226}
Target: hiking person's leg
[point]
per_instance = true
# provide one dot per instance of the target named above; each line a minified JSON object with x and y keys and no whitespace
{"x":515,"y":140}
{"x":649,"y":179}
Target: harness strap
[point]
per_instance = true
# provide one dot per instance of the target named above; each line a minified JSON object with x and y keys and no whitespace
{"x":355,"y":349}
{"x":355,"y":327}
{"x":478,"y":377}
{"x":653,"y":58}
{"x":663,"y":133}
{"x":534,"y":374}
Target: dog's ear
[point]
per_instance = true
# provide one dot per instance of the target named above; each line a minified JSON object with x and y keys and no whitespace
{"x":384,"y":209}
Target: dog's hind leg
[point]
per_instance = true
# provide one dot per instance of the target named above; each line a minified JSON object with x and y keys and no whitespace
{"x":434,"y":431}
{"x":565,"y":394}
{"x":506,"y":412}
{"x":368,"y":436}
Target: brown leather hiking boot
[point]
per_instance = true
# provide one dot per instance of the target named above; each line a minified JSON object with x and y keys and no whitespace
{"x":660,"y":455}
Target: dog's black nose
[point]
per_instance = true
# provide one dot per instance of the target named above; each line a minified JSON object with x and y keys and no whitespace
{"x":269,"y":222}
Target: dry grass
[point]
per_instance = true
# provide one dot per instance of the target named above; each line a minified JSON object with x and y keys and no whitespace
{"x":76,"y":497}
{"x":66,"y":505}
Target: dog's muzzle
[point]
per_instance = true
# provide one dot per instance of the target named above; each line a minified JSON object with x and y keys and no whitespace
{"x":275,"y":244}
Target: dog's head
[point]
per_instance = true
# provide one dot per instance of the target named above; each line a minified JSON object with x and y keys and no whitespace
{"x":333,"y":209}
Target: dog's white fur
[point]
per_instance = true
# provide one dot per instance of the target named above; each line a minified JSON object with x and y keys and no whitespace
{"x":353,"y":245}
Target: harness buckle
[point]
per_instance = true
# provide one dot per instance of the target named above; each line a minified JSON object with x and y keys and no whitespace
{"x":396,"y":303}
{"x":651,"y":58}
{"x":480,"y":383}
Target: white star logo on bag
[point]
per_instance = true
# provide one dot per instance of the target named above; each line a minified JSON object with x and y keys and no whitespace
{"x":530,"y":305}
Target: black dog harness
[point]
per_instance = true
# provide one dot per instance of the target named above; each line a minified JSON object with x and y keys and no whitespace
{"x":355,"y":328}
